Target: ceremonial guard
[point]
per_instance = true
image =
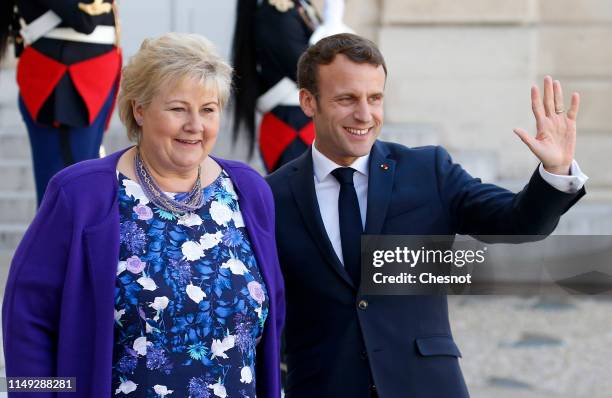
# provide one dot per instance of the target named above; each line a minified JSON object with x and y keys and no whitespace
{"x":68,"y":72}
{"x":269,"y":37}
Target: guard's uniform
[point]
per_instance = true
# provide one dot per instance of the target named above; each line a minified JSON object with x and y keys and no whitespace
{"x":68,"y":80}
{"x":282,"y":30}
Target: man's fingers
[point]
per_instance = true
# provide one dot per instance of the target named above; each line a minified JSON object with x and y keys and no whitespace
{"x":536,"y":103}
{"x":526,"y":138}
{"x":559,"y":107}
{"x":549,"y":96}
{"x":575,"y":106}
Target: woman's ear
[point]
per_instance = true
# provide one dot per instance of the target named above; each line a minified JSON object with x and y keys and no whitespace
{"x":138,"y":112}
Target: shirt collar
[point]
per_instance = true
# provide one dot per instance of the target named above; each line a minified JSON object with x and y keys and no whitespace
{"x":323,"y":166}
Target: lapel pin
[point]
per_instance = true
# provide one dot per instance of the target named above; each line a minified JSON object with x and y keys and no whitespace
{"x":384,"y":166}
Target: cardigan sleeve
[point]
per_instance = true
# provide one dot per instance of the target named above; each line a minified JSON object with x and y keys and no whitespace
{"x":268,"y":369}
{"x":279,"y":282}
{"x":32,"y":299}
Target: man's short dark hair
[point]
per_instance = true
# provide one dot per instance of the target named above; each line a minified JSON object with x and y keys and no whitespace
{"x":354,"y":47}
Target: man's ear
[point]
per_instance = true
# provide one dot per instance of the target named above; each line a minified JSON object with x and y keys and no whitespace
{"x":308,"y":102}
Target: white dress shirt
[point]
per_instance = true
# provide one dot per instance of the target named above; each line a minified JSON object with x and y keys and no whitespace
{"x":327,"y":189}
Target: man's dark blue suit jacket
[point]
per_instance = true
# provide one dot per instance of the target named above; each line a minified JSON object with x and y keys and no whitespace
{"x":402,"y":345}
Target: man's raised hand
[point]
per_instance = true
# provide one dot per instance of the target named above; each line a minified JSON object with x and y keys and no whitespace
{"x":555,"y":140}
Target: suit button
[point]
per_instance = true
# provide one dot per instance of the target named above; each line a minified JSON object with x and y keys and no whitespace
{"x":363,"y":304}
{"x":364,"y":355}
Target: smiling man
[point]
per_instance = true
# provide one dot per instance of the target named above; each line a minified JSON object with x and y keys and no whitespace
{"x":345,"y":100}
{"x":340,"y":343}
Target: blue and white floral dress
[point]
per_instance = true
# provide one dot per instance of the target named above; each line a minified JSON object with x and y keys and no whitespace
{"x":190,"y":302}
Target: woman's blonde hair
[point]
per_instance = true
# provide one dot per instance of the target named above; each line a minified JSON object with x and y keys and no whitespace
{"x":167,"y":60}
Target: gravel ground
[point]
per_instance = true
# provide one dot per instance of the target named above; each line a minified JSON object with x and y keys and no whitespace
{"x":535,"y":347}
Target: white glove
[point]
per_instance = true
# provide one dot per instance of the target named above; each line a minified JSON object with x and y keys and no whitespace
{"x":333,"y":12}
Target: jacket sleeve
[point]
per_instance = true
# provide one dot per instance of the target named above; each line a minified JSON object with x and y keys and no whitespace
{"x":477,"y":208}
{"x":32,"y":299}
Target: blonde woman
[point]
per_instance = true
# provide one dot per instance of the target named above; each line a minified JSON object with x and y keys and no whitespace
{"x":153,"y":271}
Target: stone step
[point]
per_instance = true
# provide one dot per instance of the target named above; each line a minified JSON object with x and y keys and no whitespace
{"x":590,"y":216}
{"x":479,"y":163}
{"x":14,"y":144}
{"x":115,"y":139}
{"x":5,"y":261}
{"x":17,"y":207}
{"x":10,"y":91}
{"x":411,"y":134}
{"x":16,"y":175}
{"x":510,"y":392}
{"x":10,"y":236}
{"x":586,"y":218}
{"x":10,"y":118}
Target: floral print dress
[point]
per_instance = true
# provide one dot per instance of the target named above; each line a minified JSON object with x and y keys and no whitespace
{"x":190,"y":303}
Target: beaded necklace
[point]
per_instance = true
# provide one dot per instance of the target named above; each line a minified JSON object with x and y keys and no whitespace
{"x":192,"y":201}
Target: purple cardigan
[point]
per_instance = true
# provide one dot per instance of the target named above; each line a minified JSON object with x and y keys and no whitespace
{"x":57,"y":315}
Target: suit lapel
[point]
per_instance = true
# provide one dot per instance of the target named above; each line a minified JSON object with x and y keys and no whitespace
{"x":380,"y":185}
{"x":302,"y":188}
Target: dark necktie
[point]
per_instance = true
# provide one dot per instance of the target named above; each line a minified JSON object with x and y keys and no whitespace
{"x":350,"y":222}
